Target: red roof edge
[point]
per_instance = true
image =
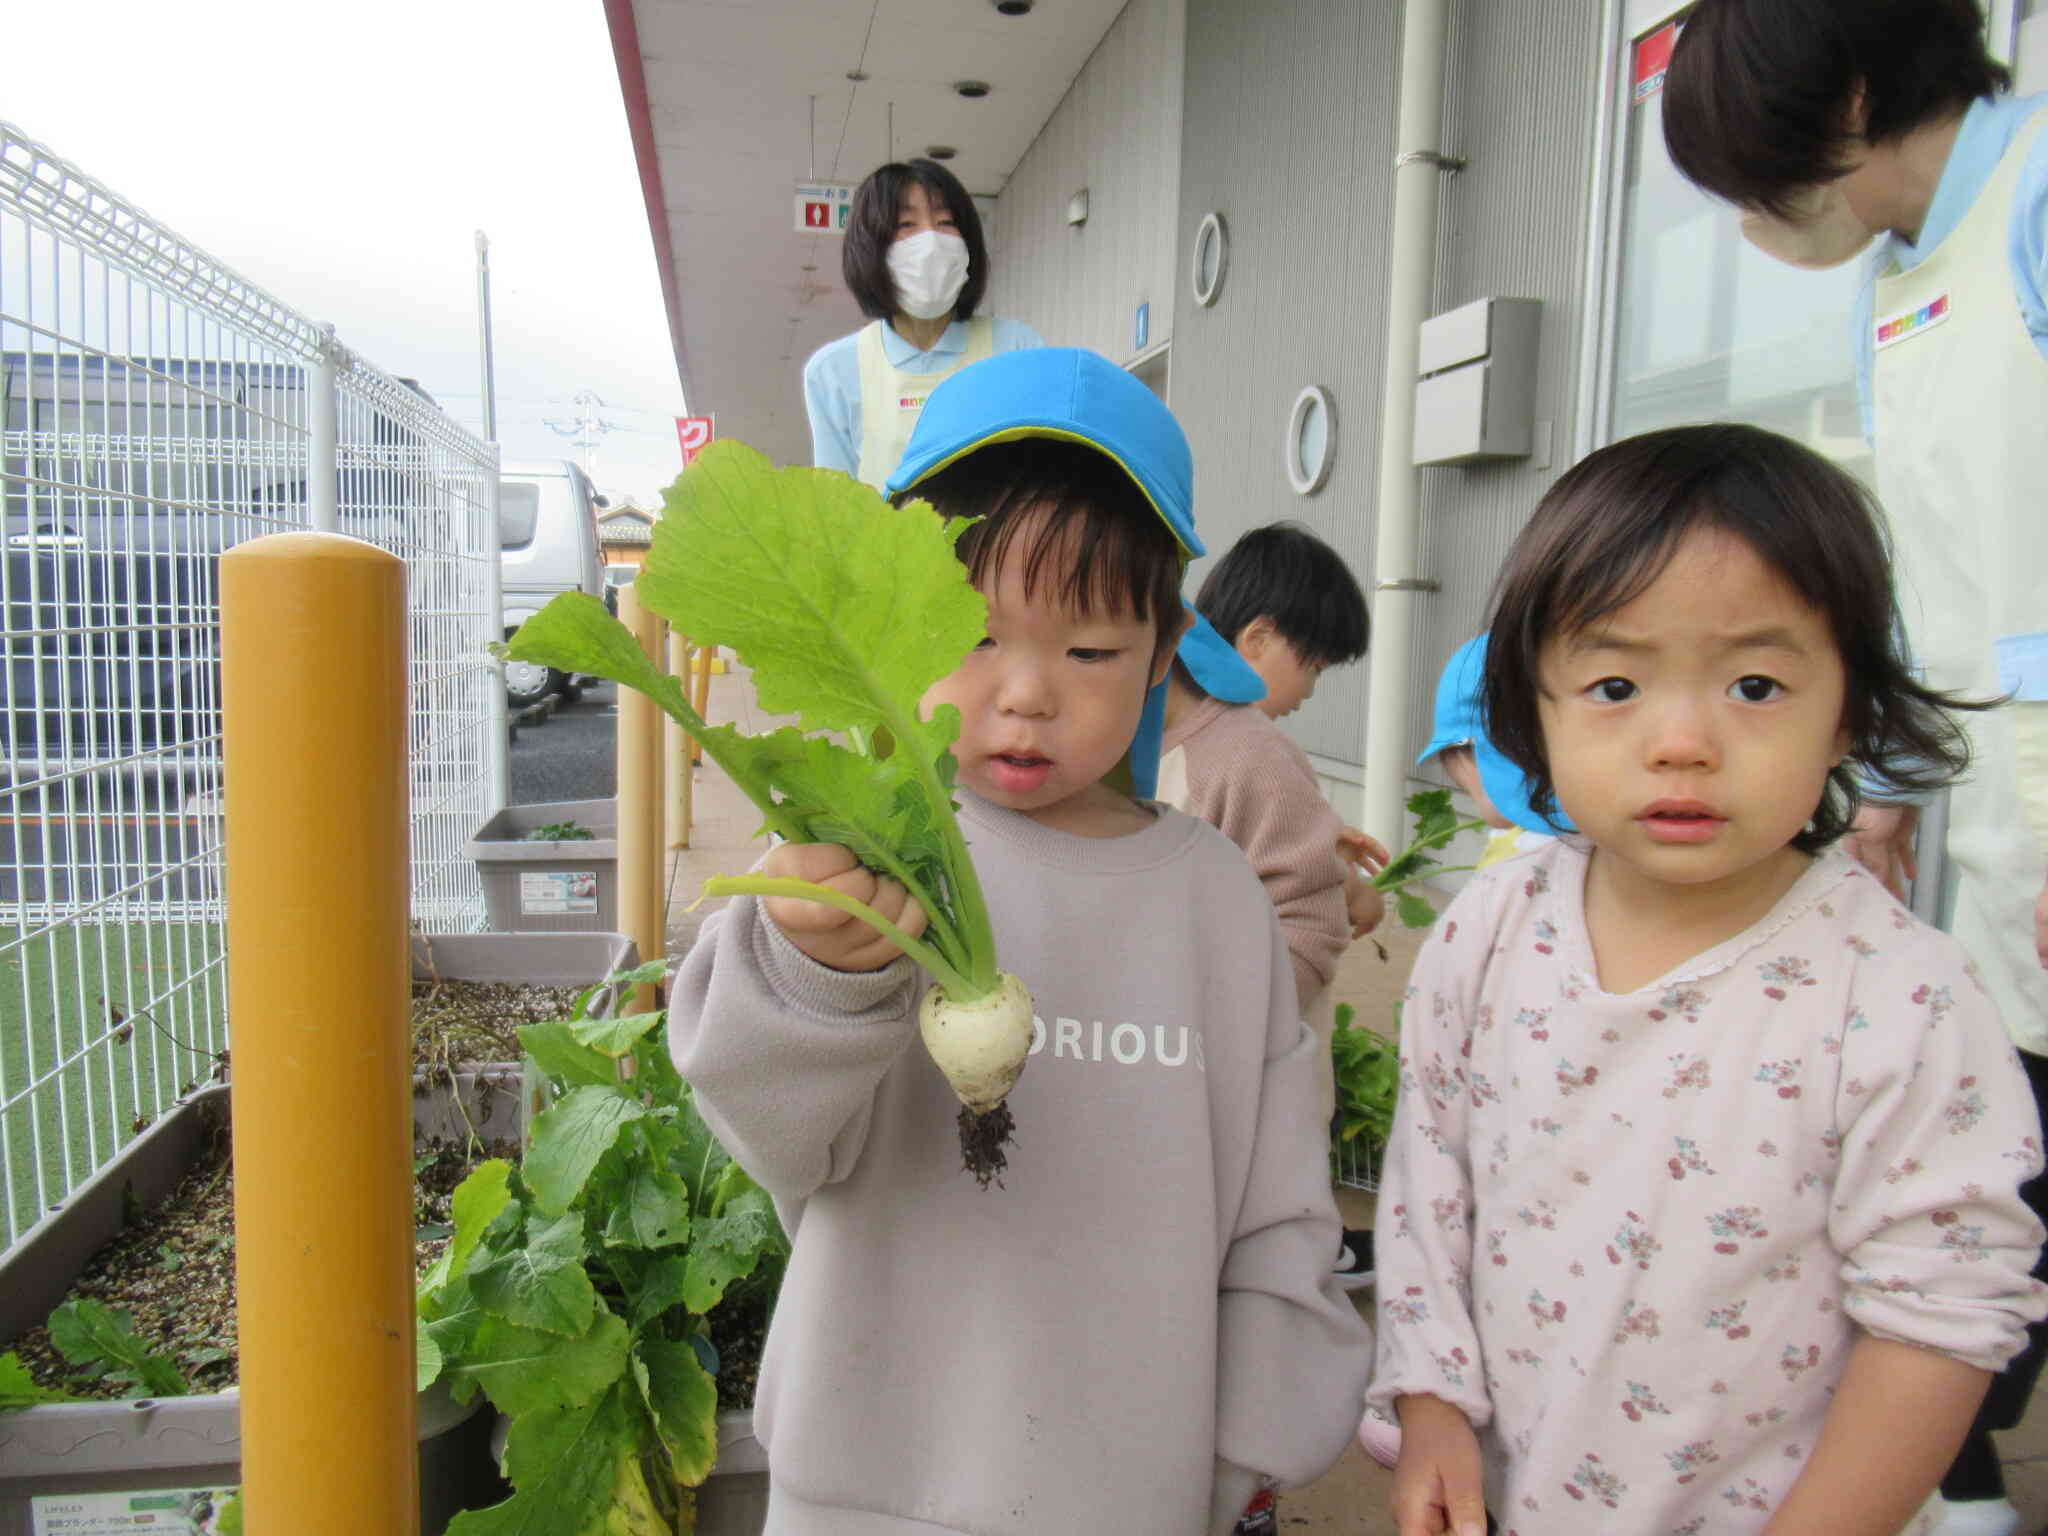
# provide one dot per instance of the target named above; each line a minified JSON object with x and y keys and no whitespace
{"x":640,"y":123}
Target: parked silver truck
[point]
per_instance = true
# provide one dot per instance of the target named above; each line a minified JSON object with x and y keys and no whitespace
{"x":547,"y":534}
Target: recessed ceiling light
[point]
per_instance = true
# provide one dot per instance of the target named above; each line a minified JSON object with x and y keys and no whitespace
{"x":1013,"y":7}
{"x":856,"y":75}
{"x":941,"y":151}
{"x":973,"y":90}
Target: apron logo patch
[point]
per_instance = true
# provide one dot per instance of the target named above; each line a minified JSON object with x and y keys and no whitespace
{"x":1908,"y":323}
{"x":911,"y":402}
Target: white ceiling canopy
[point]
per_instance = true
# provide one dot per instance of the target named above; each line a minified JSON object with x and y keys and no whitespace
{"x":734,"y":103}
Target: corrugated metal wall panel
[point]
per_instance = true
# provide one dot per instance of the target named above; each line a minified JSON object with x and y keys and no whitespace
{"x":1289,"y":133}
{"x":1281,"y":116}
{"x":1117,"y":133}
{"x":1290,"y":115}
{"x":1520,"y":96}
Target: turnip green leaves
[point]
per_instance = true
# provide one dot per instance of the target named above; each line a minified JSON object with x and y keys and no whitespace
{"x":574,"y":1291}
{"x":846,"y":610}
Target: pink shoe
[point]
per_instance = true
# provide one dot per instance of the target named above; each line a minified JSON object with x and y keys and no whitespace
{"x":1381,"y":1438}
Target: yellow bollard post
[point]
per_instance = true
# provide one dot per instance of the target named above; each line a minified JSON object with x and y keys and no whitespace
{"x":313,"y":684}
{"x":706,"y":663}
{"x":642,"y":849}
{"x":675,"y":751}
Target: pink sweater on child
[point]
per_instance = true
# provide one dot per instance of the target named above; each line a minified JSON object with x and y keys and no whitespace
{"x":1634,"y":1237}
{"x":1247,"y":778}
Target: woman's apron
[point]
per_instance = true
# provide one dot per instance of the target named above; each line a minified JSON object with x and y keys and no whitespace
{"x":1961,"y":396}
{"x":892,"y":398}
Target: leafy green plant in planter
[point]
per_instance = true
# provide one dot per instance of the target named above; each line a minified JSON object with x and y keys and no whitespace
{"x":575,"y":1289}
{"x":561,"y":832}
{"x":1367,"y":1063}
{"x":1368,"y":1067}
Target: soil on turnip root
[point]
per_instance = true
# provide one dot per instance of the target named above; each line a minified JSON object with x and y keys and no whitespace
{"x":172,"y":1270}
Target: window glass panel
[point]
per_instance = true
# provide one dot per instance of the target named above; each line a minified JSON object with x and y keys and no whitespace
{"x":518,"y":512}
{"x":1707,"y":327}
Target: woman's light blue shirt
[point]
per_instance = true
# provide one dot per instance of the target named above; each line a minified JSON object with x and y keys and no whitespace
{"x":832,"y":382}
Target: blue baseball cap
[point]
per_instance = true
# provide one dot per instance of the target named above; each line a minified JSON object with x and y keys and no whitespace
{"x":1458,"y":724}
{"x":1073,"y":395}
{"x":1069,"y":394}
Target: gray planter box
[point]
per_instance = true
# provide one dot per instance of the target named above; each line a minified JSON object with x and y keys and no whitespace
{"x":550,"y":887}
{"x":532,"y":959}
{"x":734,"y":1498}
{"x":151,"y":1444}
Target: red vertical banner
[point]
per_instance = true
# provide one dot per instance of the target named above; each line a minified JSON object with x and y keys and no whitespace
{"x":1652,"y":59}
{"x":694,"y":433}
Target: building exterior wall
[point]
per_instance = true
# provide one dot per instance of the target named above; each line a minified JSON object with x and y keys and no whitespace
{"x":1290,"y":119}
{"x":1289,"y":132}
{"x":1117,"y":133}
{"x":1281,"y":117}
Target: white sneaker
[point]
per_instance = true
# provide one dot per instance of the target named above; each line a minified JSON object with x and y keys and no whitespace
{"x":1380,"y":1438}
{"x":1978,"y":1517}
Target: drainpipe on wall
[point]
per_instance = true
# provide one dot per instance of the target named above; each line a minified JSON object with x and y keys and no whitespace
{"x":1419,"y":166}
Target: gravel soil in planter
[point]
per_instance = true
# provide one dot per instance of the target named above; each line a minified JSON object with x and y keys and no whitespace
{"x":172,"y":1269}
{"x":152,"y":1235}
{"x":472,"y":991}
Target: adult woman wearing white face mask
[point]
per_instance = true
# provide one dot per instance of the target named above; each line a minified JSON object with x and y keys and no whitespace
{"x":915,"y":260}
{"x":1832,"y":123}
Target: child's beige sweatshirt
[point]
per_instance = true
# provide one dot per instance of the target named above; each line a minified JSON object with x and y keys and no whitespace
{"x":1141,"y":1318}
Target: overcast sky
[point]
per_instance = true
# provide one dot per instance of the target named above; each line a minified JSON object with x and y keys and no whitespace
{"x":343,"y":157}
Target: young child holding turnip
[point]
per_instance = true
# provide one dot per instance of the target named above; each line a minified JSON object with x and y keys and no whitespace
{"x":1701,"y":1205}
{"x":1136,"y":1327}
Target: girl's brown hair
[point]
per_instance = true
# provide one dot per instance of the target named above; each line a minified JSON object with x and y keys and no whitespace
{"x":1608,"y":527}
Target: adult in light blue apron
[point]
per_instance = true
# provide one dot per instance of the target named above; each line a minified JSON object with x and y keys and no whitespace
{"x":1833,"y":123}
{"x":916,"y":262}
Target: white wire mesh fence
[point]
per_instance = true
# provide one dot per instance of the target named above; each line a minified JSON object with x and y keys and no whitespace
{"x":156,"y":410}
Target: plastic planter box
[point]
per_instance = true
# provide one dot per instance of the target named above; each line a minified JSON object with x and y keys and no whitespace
{"x":79,"y":1453}
{"x":734,"y":1498}
{"x":550,"y":887}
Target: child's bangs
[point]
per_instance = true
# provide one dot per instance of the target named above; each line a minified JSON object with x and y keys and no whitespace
{"x":1092,"y":559}
{"x":1085,"y":533}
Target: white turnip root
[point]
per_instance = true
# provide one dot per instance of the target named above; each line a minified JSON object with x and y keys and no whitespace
{"x":981,"y":1047}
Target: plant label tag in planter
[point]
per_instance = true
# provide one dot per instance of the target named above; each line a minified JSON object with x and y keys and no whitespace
{"x":558,"y":890}
{"x":161,"y":1511}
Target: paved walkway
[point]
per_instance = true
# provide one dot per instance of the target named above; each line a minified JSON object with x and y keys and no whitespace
{"x":1352,"y":1497}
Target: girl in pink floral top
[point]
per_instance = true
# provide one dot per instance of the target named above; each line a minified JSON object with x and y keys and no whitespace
{"x":1701,"y":1208}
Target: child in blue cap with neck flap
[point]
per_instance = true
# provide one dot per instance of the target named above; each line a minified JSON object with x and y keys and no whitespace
{"x":1466,"y":755}
{"x":1137,"y":1329}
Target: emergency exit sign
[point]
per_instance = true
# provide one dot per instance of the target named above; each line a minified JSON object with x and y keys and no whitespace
{"x":824,"y":207}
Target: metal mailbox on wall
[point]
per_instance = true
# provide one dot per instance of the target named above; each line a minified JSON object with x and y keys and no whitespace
{"x":1475,"y":399}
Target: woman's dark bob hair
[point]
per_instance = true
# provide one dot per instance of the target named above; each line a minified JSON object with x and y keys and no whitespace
{"x":1759,"y":97}
{"x":1609,"y":526}
{"x":871,"y":230}
{"x":1107,"y":548}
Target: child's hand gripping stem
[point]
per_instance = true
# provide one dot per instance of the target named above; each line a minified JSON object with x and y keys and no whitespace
{"x":846,"y":610}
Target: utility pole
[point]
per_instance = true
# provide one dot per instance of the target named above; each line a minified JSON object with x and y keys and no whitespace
{"x":587,"y":430}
